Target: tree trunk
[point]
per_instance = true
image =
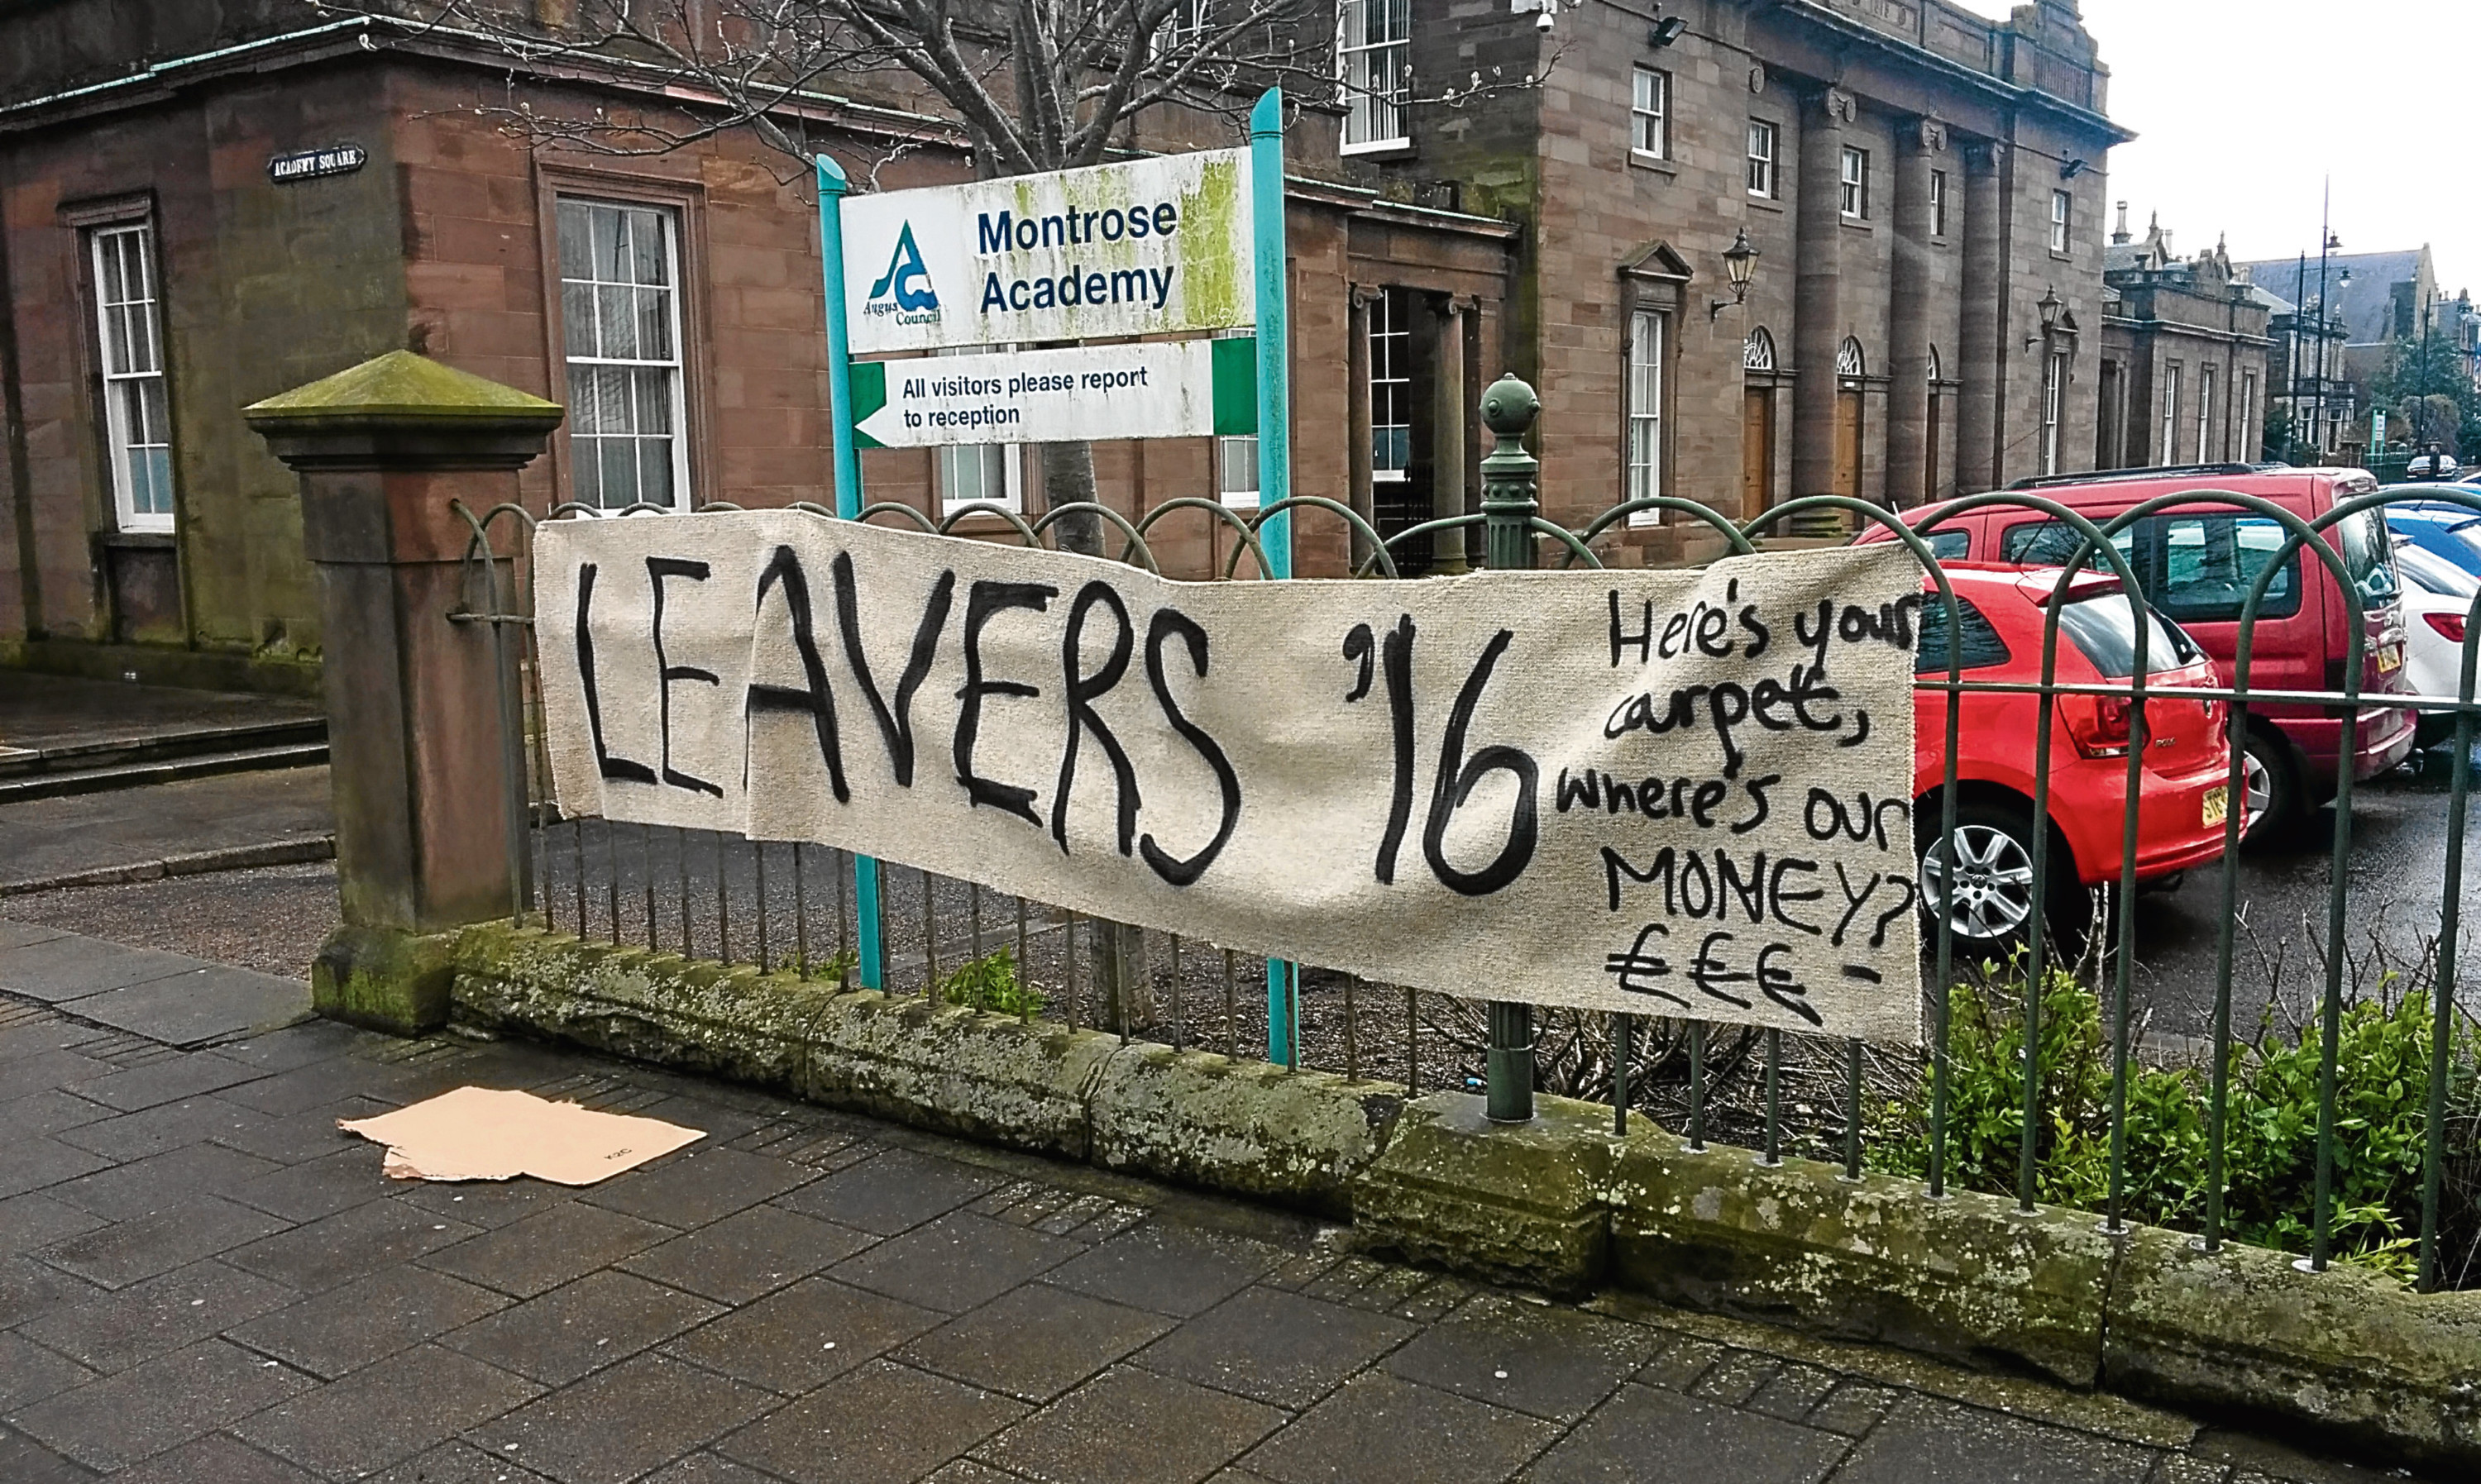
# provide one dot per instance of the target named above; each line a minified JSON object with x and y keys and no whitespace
{"x":1123,"y":988}
{"x":1069,"y":479}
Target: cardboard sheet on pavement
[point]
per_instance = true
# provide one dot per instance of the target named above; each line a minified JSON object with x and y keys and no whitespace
{"x":488,"y":1134}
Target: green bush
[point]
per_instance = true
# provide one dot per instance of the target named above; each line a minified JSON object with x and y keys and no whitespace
{"x":2381,"y":1113}
{"x":990,"y":983}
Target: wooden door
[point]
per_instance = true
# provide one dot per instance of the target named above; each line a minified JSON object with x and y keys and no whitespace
{"x":1847,"y":443}
{"x":1757,"y":451}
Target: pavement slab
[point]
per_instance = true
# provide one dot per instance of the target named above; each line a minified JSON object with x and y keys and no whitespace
{"x":118,"y":1420}
{"x":805,"y":1336}
{"x":200,"y":1007}
{"x":111,"y":1332}
{"x":1131,"y":1426}
{"x":1377,"y":1429}
{"x":1550,"y":1362}
{"x":599,"y":1320}
{"x":367,"y":1321}
{"x":884,"y":1421}
{"x":1034,"y":1342}
{"x":133,"y":1250}
{"x":71,"y":967}
{"x":386,"y":1413}
{"x":748,"y":1253}
{"x":1274,"y":1346}
{"x":619,"y":1424}
{"x":215,"y":1459}
{"x":1697,"y":1441}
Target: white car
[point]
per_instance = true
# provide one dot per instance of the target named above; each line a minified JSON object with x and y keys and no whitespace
{"x":2437,"y":599}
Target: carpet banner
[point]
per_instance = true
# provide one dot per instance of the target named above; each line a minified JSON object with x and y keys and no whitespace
{"x":1656,"y":791}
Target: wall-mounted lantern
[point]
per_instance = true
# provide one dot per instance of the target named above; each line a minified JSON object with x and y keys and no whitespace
{"x":1740,"y":261}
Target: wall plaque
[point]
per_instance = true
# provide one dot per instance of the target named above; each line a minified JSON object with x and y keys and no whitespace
{"x":312,"y":164}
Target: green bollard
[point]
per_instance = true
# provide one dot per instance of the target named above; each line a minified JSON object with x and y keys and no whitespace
{"x":1509,"y":486}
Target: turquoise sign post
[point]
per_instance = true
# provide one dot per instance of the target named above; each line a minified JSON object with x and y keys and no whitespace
{"x":832,"y":185}
{"x":1274,"y":448}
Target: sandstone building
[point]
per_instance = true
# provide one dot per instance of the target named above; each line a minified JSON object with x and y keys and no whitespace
{"x":1924,"y":187}
{"x":2182,"y":377}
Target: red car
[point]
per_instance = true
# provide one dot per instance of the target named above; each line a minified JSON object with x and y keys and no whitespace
{"x":2184,"y":793}
{"x":2196,"y":565}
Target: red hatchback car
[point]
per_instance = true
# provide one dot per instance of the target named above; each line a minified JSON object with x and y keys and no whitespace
{"x":2196,"y":566}
{"x":2185,"y":792}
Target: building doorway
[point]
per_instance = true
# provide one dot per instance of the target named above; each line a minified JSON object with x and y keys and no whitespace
{"x":1847,"y":441}
{"x":1850,"y":366}
{"x":1757,"y":451}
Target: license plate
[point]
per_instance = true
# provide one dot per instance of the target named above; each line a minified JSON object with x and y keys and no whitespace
{"x":2218,"y":803}
{"x":2389,"y":658}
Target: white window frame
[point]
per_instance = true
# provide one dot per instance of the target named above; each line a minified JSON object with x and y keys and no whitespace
{"x":1938,"y":203}
{"x":1184,"y":26}
{"x":129,"y":337}
{"x":2063,"y":210}
{"x":1641,"y":449}
{"x":949,"y":464}
{"x":2169,"y":453}
{"x":2205,"y":412}
{"x":1650,"y":114}
{"x":674,"y":366}
{"x":1757,"y":349}
{"x":2054,"y":395}
{"x":2249,"y":431}
{"x":1391,"y":368}
{"x":1236,"y":471}
{"x":1853,"y":178}
{"x":1765,"y":154}
{"x":1373,"y":71}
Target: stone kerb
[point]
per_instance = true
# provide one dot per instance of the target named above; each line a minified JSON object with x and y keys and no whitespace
{"x":417,"y":758}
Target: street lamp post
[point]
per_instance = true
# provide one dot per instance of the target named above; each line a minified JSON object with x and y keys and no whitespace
{"x":2327,"y":242}
{"x":2299,"y":310}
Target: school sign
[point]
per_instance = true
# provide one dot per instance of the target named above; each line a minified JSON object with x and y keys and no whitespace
{"x":1151,"y":246}
{"x":1178,"y":245}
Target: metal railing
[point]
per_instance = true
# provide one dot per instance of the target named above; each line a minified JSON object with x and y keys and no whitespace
{"x":794,"y":907}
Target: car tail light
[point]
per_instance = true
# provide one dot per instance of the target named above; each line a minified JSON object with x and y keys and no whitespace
{"x":2450,"y":624}
{"x":2098,"y":724}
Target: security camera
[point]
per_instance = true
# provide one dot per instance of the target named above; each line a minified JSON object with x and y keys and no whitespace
{"x":1542,"y":18}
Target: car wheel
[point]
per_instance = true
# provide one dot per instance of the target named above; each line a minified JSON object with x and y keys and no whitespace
{"x":2271,"y":786}
{"x":1992,"y":901}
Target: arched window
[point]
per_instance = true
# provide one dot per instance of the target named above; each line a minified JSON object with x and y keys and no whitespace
{"x":1936,"y":369}
{"x":1757,"y":352}
{"x":1848,"y":360}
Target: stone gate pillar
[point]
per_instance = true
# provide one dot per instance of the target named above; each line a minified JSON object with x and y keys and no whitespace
{"x":416,"y":756}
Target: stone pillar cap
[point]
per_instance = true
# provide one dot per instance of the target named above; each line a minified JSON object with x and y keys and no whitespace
{"x":400,"y":387}
{"x":406,"y":411}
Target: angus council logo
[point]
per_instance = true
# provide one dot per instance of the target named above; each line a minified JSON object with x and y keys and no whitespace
{"x":904,"y":289}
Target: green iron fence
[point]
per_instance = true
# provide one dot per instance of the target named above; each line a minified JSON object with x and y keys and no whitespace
{"x":788,"y":905}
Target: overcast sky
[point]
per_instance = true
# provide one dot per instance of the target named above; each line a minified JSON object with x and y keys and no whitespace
{"x":2241,"y":106}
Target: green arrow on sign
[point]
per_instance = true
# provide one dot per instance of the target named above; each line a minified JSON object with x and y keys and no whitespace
{"x":869,"y":395}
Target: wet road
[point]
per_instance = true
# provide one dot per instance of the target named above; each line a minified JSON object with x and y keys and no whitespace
{"x":2395,"y":887}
